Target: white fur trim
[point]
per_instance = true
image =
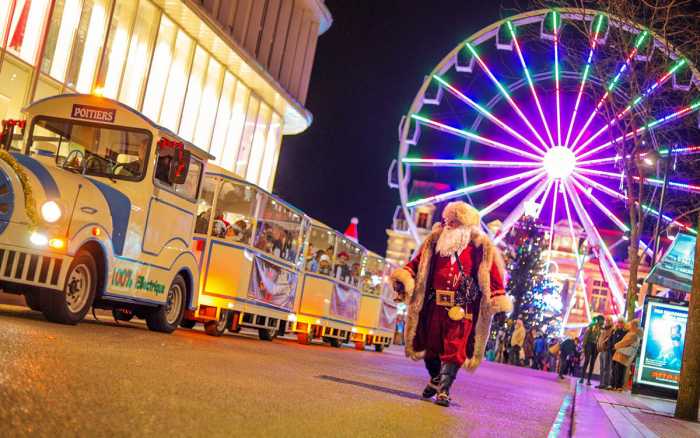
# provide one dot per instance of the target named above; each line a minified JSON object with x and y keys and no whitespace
{"x":463,"y":212}
{"x":501,"y":303}
{"x":404,"y":277}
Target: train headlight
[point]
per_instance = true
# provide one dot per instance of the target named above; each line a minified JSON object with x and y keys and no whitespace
{"x":50,"y":211}
{"x":38,"y":239}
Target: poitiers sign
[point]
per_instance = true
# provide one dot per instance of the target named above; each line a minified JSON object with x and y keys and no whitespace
{"x":94,"y":113}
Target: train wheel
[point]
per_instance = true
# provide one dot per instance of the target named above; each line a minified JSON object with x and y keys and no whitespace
{"x":267,"y":334}
{"x":72,"y":304}
{"x":188,"y":323}
{"x":378,"y":348}
{"x":167,"y":317}
{"x":335,"y":342}
{"x":217,"y":328}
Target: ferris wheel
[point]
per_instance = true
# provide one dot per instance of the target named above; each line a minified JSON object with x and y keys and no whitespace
{"x":514,"y":120}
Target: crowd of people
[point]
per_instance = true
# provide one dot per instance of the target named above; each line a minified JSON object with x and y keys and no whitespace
{"x":343,"y":270}
{"x":613,"y":344}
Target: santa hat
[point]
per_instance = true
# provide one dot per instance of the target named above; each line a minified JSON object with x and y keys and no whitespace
{"x":351,"y":230}
{"x":463,"y":212}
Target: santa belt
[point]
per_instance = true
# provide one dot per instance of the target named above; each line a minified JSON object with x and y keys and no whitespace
{"x":448,"y":298}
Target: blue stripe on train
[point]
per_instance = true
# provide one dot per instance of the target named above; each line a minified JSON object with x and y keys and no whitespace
{"x":120,"y":209}
{"x":43,"y":175}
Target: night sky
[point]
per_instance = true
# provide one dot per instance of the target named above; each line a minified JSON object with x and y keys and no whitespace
{"x":369,"y":66}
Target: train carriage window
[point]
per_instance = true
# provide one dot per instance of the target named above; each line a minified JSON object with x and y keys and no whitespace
{"x":111,"y":152}
{"x":348,"y":262}
{"x":206,"y":199}
{"x":319,"y":251}
{"x":234,"y":218}
{"x":279,"y":232}
{"x":373,"y":275}
{"x":187,"y":189}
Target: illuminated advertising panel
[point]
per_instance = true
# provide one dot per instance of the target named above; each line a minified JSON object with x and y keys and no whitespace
{"x":662,"y":346}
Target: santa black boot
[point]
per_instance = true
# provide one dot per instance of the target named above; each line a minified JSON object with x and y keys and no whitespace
{"x":448,"y":373}
{"x":433,"y":367}
{"x":431,"y":389}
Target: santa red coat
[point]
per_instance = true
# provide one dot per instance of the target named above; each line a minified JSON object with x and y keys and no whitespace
{"x":482,"y":260}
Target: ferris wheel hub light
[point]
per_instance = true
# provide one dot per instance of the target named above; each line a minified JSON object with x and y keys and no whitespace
{"x":559,"y":162}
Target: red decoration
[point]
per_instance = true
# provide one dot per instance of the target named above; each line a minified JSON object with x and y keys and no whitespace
{"x":18,"y":35}
{"x":179,"y":148}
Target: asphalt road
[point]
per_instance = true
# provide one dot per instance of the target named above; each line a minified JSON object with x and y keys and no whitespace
{"x":100,"y":379}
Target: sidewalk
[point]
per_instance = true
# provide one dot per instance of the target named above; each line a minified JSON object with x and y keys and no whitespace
{"x":622,"y":414}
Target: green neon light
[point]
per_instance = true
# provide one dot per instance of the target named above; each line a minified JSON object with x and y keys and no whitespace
{"x":636,"y":101}
{"x":446,"y":84}
{"x":554,"y":21}
{"x":600,"y":22}
{"x":678,"y":65}
{"x":642,"y":36}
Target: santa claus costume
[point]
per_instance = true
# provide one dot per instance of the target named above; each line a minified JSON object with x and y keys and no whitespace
{"x":452,"y":287}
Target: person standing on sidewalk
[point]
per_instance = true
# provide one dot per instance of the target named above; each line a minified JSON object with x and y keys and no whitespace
{"x":517,"y":340}
{"x":604,"y":353}
{"x":590,"y":348}
{"x":529,"y":347}
{"x":539,"y":351}
{"x":566,"y":349}
{"x":625,"y":352}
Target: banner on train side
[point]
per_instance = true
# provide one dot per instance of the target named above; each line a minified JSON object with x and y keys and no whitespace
{"x":345,"y":302}
{"x":387,"y":316}
{"x":272,"y":284}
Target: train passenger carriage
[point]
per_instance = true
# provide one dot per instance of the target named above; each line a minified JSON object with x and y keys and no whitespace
{"x":377,"y":317}
{"x":97,"y":209}
{"x":330,"y":299}
{"x":248,"y":244}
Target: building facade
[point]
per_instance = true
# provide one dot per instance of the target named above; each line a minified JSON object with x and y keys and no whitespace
{"x":231,"y":76}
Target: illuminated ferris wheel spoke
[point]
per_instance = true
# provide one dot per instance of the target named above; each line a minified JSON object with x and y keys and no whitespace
{"x":478,"y":138}
{"x":530,"y":82}
{"x":611,"y":272}
{"x":636,"y":101}
{"x":574,"y":240}
{"x":473,"y":189}
{"x":619,"y":196}
{"x":505,"y":94}
{"x":600,"y":206}
{"x":486,"y":113}
{"x":439,"y":162}
{"x":598,"y":161}
{"x":691,"y":188}
{"x":545,"y":195}
{"x":518,"y":211}
{"x":611,"y":86}
{"x":510,"y":194}
{"x":584,"y":77}
{"x":553,"y":217}
{"x":556,"y":74}
{"x":650,"y":125}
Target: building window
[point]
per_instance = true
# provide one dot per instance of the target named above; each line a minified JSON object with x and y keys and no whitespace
{"x":258,"y":146}
{"x":208,"y":104}
{"x":235,"y":129}
{"x":223,"y":116}
{"x":272,"y":145}
{"x":14,"y":80}
{"x":247,"y":137}
{"x":59,"y":40}
{"x":139,"y":56}
{"x":194,"y":94}
{"x":117,"y":47}
{"x":177,"y":81}
{"x":158,"y":76}
{"x":27,"y":28}
{"x":87,"y":46}
{"x":422,"y":221}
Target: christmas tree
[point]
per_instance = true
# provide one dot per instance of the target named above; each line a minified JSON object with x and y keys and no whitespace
{"x":537,"y":299}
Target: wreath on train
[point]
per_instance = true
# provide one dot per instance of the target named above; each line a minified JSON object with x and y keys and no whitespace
{"x":29,"y":201}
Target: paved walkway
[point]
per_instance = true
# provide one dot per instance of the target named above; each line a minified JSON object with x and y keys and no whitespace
{"x":622,"y":414}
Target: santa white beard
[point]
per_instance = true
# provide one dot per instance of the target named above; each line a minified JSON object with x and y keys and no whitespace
{"x":453,"y":240}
